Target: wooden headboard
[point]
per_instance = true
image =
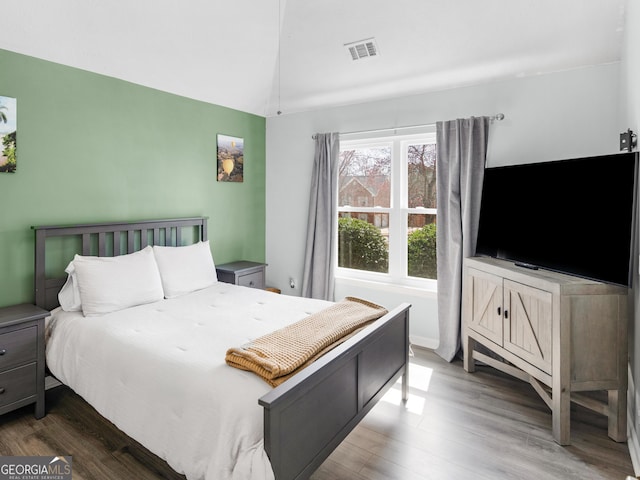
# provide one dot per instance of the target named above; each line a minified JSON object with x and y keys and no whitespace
{"x":108,"y":240}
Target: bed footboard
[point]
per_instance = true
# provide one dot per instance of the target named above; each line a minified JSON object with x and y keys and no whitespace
{"x":308,"y":416}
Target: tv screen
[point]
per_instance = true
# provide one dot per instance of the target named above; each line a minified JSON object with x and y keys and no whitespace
{"x":572,"y":216}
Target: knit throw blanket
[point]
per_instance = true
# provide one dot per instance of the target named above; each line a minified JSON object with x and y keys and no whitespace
{"x":281,"y":354}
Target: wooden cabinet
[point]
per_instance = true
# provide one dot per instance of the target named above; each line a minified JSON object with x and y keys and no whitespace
{"x":563,"y":334}
{"x":244,"y":273}
{"x":22,"y":358}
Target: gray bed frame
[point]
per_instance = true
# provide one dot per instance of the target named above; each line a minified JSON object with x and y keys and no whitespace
{"x":309,"y":415}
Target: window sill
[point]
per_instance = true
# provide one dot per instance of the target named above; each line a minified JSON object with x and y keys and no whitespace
{"x":425,"y":292}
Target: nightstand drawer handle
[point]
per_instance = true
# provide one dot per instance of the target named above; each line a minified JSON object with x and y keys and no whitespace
{"x":2,"y":352}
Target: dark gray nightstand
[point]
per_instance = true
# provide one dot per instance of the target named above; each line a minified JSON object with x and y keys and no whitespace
{"x":22,"y":357}
{"x":247,"y":274}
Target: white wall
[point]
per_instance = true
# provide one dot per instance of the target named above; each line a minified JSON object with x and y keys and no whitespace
{"x":547,"y":117}
{"x":630,"y":118}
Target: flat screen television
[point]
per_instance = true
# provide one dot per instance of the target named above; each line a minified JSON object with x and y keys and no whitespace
{"x":571,"y":216}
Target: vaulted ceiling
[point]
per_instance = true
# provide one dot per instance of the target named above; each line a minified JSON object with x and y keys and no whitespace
{"x":265,"y":56}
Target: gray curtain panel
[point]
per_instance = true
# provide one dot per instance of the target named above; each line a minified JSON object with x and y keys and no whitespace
{"x":461,"y":155}
{"x":318,"y":278}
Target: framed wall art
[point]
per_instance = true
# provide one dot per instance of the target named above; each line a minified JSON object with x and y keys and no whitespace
{"x":230,"y":159}
{"x":8,"y":130}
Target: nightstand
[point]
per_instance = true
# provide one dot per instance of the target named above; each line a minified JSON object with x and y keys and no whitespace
{"x":244,"y":273}
{"x":22,"y":357}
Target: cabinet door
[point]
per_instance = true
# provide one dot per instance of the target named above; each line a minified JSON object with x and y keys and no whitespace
{"x":485,"y":304}
{"x":528,"y":324}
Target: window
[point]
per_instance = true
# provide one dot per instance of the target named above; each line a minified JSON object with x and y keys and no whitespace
{"x":387,"y":209}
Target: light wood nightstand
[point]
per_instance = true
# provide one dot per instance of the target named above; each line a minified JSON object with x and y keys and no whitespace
{"x":22,"y":357}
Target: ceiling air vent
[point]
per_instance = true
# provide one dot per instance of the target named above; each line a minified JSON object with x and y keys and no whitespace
{"x":362,"y":49}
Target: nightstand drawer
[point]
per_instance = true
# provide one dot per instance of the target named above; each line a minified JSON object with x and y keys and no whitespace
{"x":243,"y":273}
{"x":253,"y":280}
{"x":18,"y":384}
{"x":18,"y":347}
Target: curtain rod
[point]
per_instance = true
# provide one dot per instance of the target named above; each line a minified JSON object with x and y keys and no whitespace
{"x":493,"y":118}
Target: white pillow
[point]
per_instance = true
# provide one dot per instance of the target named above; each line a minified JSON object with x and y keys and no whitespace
{"x":107,"y":284}
{"x":185,"y":269}
{"x":69,"y":295}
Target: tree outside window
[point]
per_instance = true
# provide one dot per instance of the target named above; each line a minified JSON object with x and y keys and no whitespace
{"x":387,"y":207}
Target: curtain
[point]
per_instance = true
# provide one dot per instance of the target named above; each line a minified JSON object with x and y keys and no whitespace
{"x":461,"y":155}
{"x":318,"y":277}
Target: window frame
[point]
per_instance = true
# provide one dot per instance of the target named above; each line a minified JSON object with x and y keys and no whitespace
{"x":398,"y":210}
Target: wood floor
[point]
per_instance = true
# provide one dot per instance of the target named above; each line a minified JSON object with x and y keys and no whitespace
{"x":456,"y":425}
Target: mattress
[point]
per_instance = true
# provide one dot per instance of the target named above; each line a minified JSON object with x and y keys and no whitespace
{"x":157,"y":371}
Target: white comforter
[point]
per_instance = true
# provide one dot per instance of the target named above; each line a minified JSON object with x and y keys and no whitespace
{"x":157,"y":372}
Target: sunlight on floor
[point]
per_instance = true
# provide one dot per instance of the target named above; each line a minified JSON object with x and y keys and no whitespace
{"x":419,"y":379}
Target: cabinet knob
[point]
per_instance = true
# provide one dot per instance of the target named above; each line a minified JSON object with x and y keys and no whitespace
{"x":251,"y":283}
{"x":2,"y":352}
{"x":506,"y":314}
{"x":499,"y":311}
{"x":1,"y":390}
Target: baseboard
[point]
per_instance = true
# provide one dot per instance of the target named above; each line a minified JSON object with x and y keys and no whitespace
{"x":424,"y":342}
{"x":51,"y":382}
{"x":633,"y":442}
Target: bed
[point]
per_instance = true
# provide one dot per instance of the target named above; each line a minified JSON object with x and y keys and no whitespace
{"x":169,"y":404}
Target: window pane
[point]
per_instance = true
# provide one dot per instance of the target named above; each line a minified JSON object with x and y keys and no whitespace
{"x":363,"y":241}
{"x":421,"y":170}
{"x":422,"y":246}
{"x":364,"y":179}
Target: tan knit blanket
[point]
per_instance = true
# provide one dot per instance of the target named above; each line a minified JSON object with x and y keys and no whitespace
{"x":280,"y":354}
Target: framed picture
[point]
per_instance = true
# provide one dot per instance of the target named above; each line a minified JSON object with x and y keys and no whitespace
{"x":230,"y":159}
{"x":8,"y":129}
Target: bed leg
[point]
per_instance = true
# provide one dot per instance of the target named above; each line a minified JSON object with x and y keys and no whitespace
{"x":408,"y":354}
{"x":405,"y":384}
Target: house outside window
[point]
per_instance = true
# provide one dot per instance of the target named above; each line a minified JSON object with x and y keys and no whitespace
{"x":387,"y":209}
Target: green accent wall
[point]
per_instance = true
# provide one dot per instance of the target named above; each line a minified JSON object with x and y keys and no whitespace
{"x":92,"y":148}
